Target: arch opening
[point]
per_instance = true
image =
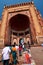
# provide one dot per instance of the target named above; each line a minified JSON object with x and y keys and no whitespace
{"x":19,"y":22}
{"x":19,"y":26}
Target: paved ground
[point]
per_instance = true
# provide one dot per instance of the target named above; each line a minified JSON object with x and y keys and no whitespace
{"x":37,"y":54}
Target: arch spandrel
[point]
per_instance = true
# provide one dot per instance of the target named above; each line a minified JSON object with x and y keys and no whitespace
{"x":25,"y":12}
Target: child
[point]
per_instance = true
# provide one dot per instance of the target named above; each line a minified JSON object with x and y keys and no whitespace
{"x":27,"y":57}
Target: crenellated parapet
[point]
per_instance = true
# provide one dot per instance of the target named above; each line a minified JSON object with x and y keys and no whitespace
{"x":17,"y":5}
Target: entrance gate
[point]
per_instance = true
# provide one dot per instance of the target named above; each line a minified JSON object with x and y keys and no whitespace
{"x":22,"y":22}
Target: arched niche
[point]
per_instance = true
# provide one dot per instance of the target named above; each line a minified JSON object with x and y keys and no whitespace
{"x":19,"y":24}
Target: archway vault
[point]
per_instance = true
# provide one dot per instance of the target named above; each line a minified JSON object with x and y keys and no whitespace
{"x":19,"y":22}
{"x":20,"y":27}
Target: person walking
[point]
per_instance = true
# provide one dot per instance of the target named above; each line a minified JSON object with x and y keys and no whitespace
{"x":14,"y":54}
{"x":20,"y":50}
{"x":29,"y":45}
{"x":27,"y":57}
{"x":5,"y":55}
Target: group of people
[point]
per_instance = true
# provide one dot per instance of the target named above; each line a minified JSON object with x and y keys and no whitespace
{"x":10,"y":55}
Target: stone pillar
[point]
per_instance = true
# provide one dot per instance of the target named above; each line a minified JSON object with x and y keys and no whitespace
{"x":35,"y":20}
{"x":3,"y":25}
{"x":18,"y":40}
{"x":25,"y":40}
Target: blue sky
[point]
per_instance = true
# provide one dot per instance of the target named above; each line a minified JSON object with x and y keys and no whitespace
{"x":38,"y":4}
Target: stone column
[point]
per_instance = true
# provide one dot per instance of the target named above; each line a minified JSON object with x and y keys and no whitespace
{"x":35,"y":20}
{"x":3,"y":25}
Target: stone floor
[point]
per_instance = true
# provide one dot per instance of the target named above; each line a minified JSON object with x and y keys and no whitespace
{"x":37,"y":55}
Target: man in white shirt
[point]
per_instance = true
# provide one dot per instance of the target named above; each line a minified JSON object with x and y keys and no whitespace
{"x":5,"y":55}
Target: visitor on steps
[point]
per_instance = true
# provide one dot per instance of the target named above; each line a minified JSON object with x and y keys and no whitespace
{"x":5,"y":55}
{"x":14,"y":54}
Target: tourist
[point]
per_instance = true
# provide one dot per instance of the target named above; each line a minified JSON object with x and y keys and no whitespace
{"x":28,"y":45}
{"x":27,"y":57}
{"x":11,"y":57}
{"x":14,"y":54}
{"x":5,"y":55}
{"x":20,"y":50}
{"x":23,"y":47}
{"x":17,"y":47}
